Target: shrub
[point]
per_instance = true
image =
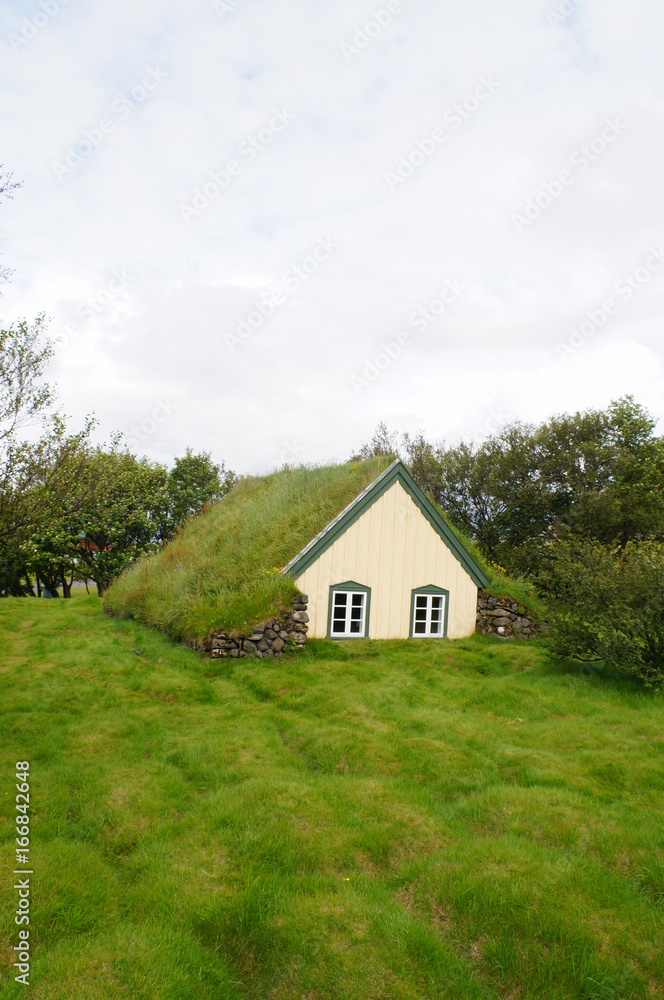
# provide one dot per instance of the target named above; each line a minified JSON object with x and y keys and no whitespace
{"x":611,"y":605}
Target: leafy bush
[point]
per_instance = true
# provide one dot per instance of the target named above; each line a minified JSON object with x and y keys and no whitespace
{"x":611,"y":605}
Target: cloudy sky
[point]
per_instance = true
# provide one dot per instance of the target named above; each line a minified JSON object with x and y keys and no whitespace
{"x":261,"y":226}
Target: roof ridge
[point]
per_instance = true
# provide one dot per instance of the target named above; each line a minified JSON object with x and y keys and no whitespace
{"x":340,"y":515}
{"x":398,"y":472}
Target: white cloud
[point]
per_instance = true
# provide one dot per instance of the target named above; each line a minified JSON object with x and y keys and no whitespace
{"x":324,"y":176}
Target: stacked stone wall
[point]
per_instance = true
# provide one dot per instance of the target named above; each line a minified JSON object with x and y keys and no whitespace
{"x":500,"y":616}
{"x":273,"y":638}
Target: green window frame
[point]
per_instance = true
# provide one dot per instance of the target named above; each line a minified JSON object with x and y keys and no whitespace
{"x":350,"y":588}
{"x":428,"y":591}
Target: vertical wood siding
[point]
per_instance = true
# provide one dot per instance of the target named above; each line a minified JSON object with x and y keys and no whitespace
{"x":393,"y":549}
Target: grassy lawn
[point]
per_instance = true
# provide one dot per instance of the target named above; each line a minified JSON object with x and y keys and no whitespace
{"x":379,"y":820}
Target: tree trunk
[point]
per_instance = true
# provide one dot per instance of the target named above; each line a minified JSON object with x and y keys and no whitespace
{"x":100,"y":588}
{"x":66,"y":586}
{"x":39,"y":586}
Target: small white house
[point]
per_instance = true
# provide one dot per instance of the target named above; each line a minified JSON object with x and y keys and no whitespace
{"x":388,"y":567}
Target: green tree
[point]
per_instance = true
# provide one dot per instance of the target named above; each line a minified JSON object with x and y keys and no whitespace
{"x":52,"y":555}
{"x":25,"y":468}
{"x":383,"y":443}
{"x":610,"y":604}
{"x":24,"y":396}
{"x":598,"y":474}
{"x":631,"y":506}
{"x":70,"y":510}
{"x":38,"y":495}
{"x":467,"y":483}
{"x":123,"y":504}
{"x":194,"y":482}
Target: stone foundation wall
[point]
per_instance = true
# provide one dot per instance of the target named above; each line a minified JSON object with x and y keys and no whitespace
{"x":497,"y":616}
{"x":270,"y":639}
{"x":500,"y":616}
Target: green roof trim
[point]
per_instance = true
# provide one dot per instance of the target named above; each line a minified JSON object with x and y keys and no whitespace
{"x":395,"y":473}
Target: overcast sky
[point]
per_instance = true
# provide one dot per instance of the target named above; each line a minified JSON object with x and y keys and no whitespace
{"x":261,"y":226}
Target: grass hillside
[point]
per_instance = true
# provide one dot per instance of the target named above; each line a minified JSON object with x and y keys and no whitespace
{"x":221,"y":570}
{"x":370,"y":821}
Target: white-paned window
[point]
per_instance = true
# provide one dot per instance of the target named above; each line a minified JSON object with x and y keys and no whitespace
{"x":349,"y":610}
{"x":428,"y":614}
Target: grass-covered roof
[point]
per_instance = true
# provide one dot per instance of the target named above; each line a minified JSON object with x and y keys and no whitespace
{"x":222,"y":569}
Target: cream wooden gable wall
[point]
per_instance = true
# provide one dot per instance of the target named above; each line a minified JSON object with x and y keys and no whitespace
{"x":392,"y":549}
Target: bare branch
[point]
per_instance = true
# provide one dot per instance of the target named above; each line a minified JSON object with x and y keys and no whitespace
{"x":7,"y":187}
{"x":23,"y":395}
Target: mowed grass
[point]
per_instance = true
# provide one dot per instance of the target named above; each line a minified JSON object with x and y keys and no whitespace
{"x":379,"y":820}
